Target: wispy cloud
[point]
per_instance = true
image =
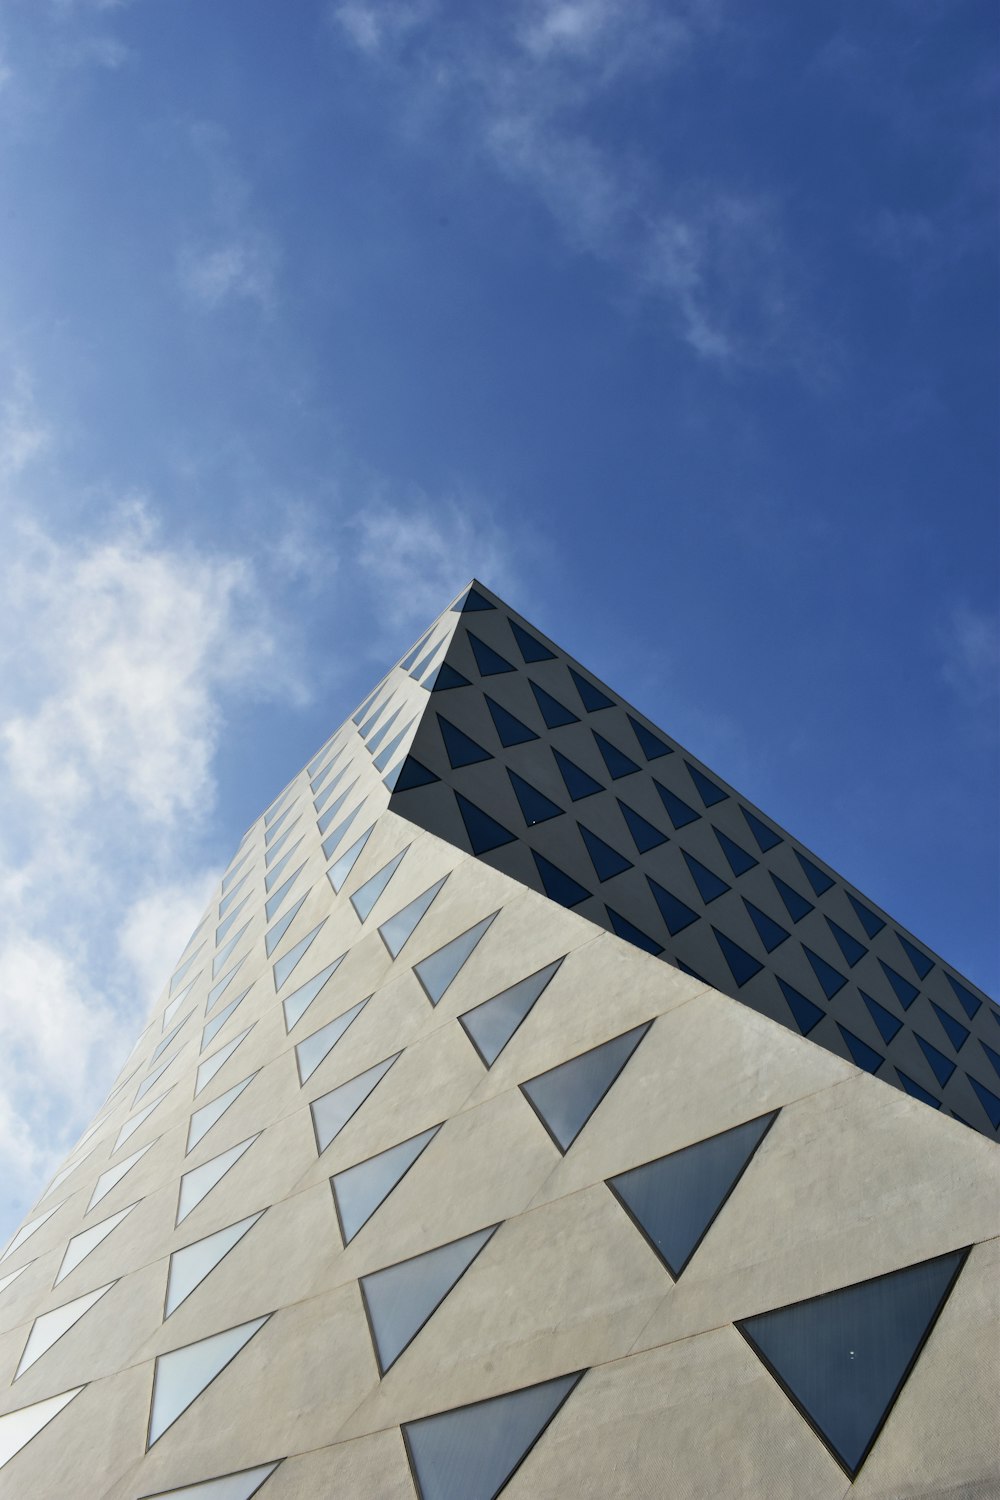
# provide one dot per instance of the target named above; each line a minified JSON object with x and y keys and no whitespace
{"x":229,"y":256}
{"x":969,"y":642}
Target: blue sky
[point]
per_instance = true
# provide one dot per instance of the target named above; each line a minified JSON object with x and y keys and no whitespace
{"x":674,"y":322}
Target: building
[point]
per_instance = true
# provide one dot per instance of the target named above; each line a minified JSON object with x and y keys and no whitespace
{"x":516,"y":1120}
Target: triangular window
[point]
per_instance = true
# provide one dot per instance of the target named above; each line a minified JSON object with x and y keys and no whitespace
{"x":113,"y":1176}
{"x":917,"y":1091}
{"x":489,"y":662}
{"x":531,"y":650}
{"x":766,"y":837}
{"x":607,"y":862}
{"x":905,"y":992}
{"x":203,"y":1119}
{"x":198,"y":1183}
{"x":272,"y":906}
{"x":623,"y":928}
{"x":707,"y":789}
{"x":866,"y":1057}
{"x":650,"y":744}
{"x":673,"y":910}
{"x":396,"y":931}
{"x":411,"y":774}
{"x":358,"y":1191}
{"x":552,"y":711}
{"x":331,"y":1112}
{"x":222,"y":958}
{"x":18,"y":1427}
{"x":644,"y":835}
{"x":491,"y":1025}
{"x":710,"y":886}
{"x":941,"y":1066}
{"x":364,"y":898}
{"x":738,"y":859}
{"x":471,"y":602}
{"x":190,"y":1265}
{"x":565,"y":1097}
{"x":796,"y":906}
{"x":437,"y":970}
{"x":446,"y":678}
{"x":990,"y":1102}
{"x":460,"y":748}
{"x":402,"y":1298}
{"x":215,"y":1025}
{"x":484,"y":833}
{"x":849,"y":946}
{"x":208,"y":1069}
{"x":969,"y":1002}
{"x":805,"y":1014}
{"x":816,"y":877}
{"x":742,"y":965}
{"x":299,"y":1001}
{"x":831,"y":980}
{"x":50,"y":1327}
{"x":884,"y":1019}
{"x":922,"y":965}
{"x":274,"y":875}
{"x":557,"y":884}
{"x":770,"y":932}
{"x":535,"y":806}
{"x":317,"y":1047}
{"x":590,"y":696}
{"x":579,"y":783}
{"x":618,"y":763}
{"x":844,"y":1357}
{"x":870,"y":922}
{"x":678,"y":811}
{"x":180,"y":1376}
{"x":337,"y":873}
{"x":510,"y":729}
{"x":82,"y":1244}
{"x":274,"y":935}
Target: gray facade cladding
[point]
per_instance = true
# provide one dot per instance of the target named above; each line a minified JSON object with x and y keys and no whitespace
{"x":463,"y":1153}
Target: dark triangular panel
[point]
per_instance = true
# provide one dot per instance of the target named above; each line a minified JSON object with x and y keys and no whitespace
{"x":618,"y":763}
{"x":413,"y":773}
{"x":644,"y":835}
{"x":606,"y":861}
{"x":651,"y":746}
{"x":484,"y":832}
{"x":819,"y":881}
{"x":941,"y":1066}
{"x":557,"y":884}
{"x":849,"y":946}
{"x":677,"y":809}
{"x":830,"y":978}
{"x":956,"y":1033}
{"x":438,"y":969}
{"x":884,"y":1019}
{"x":707,"y":790}
{"x":675,"y":913}
{"x":471,"y":602}
{"x":770,"y":932}
{"x":969,"y":1002}
{"x":471,"y":1452}
{"x":489,"y":662}
{"x":579,"y":783}
{"x":552,"y":711}
{"x":738,"y":859}
{"x":590,"y":696}
{"x":675,"y":1200}
{"x":510,"y":729}
{"x":535,"y":806}
{"x":742,"y":965}
{"x":917,"y":1090}
{"x":530,"y":648}
{"x":993,"y":1057}
{"x":623,"y":928}
{"x":905,"y":992}
{"x":446,"y":678}
{"x":491,"y":1025}
{"x":990,"y":1102}
{"x":866,"y":1057}
{"x":566,"y":1096}
{"x":805,"y":1014}
{"x":766,"y":837}
{"x":358,"y":1191}
{"x":461,"y":749}
{"x":922,"y":965}
{"x":870,"y":922}
{"x":710,"y":886}
{"x":796,"y":906}
{"x":402,"y":1298}
{"x":844,"y":1357}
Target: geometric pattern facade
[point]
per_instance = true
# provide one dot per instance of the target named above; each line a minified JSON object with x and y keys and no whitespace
{"x":422,"y":1182}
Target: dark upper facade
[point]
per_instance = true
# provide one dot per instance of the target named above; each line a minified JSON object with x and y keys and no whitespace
{"x":524,"y":758}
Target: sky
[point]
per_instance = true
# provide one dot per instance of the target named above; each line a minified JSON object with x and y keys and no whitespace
{"x":674,"y":321}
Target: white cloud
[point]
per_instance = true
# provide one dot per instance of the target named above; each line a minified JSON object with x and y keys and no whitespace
{"x":241,"y":270}
{"x":969,"y":641}
{"x":23,"y":434}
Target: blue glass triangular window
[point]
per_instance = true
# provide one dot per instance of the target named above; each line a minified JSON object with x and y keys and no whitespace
{"x":381,"y":733}
{"x":274,"y":934}
{"x":590,"y":696}
{"x":331,"y":843}
{"x":770,"y":932}
{"x":651,"y":747}
{"x":906,"y":992}
{"x":738,"y":858}
{"x":870,"y":922}
{"x":412,"y":773}
{"x":565,"y":1097}
{"x":623,"y":928}
{"x":461,"y":749}
{"x":530,"y":649}
{"x":535,"y":806}
{"x":742,"y":965}
{"x":489,"y":662}
{"x":358,"y":1191}
{"x":617,"y":762}
{"x":557,"y":884}
{"x":969,"y":1002}
{"x":471,"y":602}
{"x":334,"y":808}
{"x":644,"y":835}
{"x":363,"y":710}
{"x":710,"y":886}
{"x":916,"y":1090}
{"x":447,"y":677}
{"x":423,"y":665}
{"x":796,"y":906}
{"x":922,"y":965}
{"x":990,"y":1102}
{"x":766,"y":837}
{"x":993,"y":1056}
{"x":385,"y":756}
{"x":844,"y":1357}
{"x":484,"y":832}
{"x":471,"y":1452}
{"x":579,"y":783}
{"x":941,"y":1066}
{"x":438,"y":969}
{"x":819,"y":881}
{"x":830,"y":978}
{"x":405,"y":665}
{"x":510,"y":729}
{"x":551,"y":710}
{"x":864,"y":1056}
{"x":398,"y":929}
{"x":365,"y":897}
{"x":884,"y":1019}
{"x":806,"y":1015}
{"x":491,"y":1025}
{"x":707,"y":790}
{"x":678,"y":811}
{"x":675,"y":1200}
{"x":675,"y":914}
{"x":956,"y":1033}
{"x":606,"y":861}
{"x":849,"y":946}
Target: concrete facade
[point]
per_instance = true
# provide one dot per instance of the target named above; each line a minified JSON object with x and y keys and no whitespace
{"x":355,"y":1221}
